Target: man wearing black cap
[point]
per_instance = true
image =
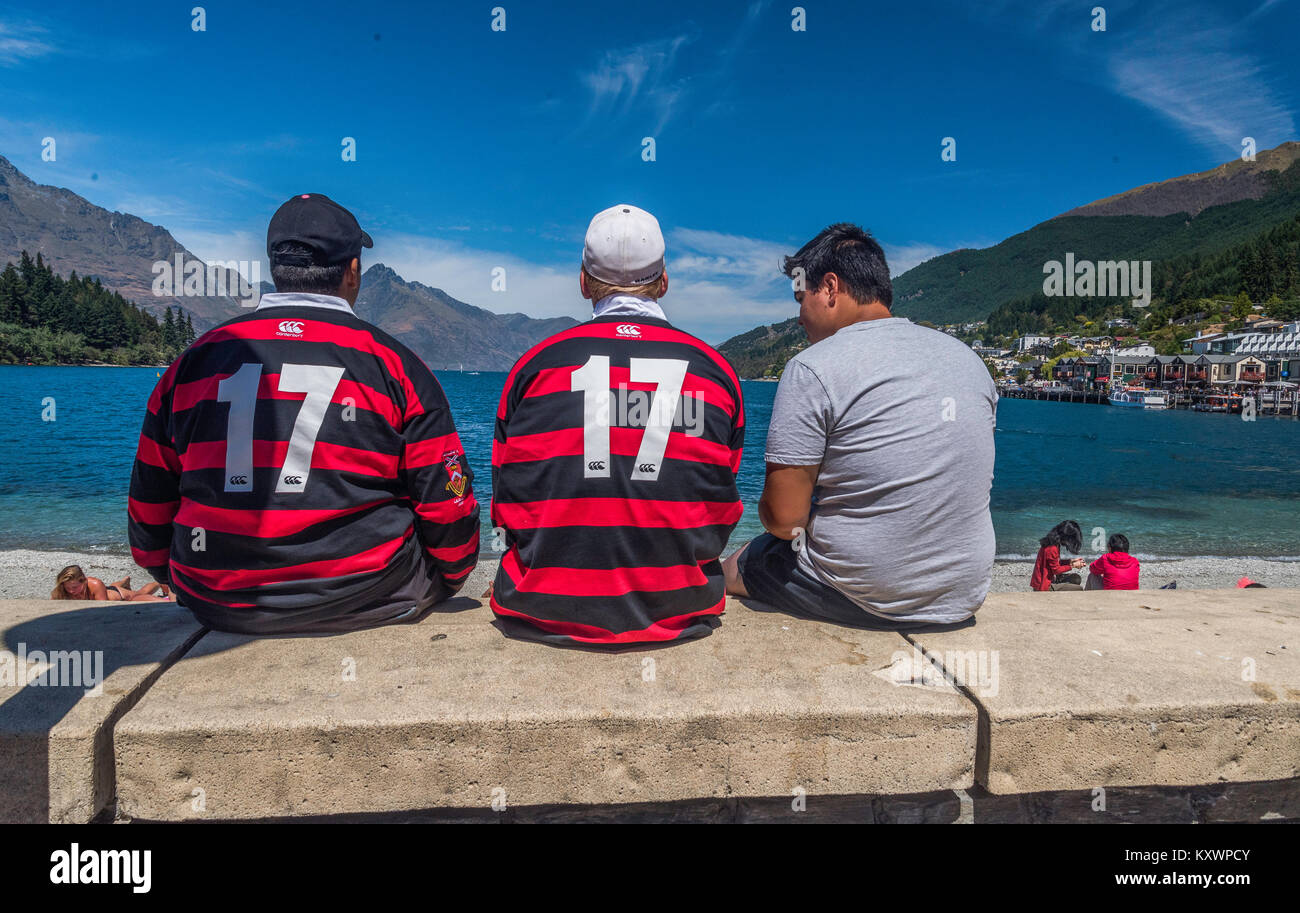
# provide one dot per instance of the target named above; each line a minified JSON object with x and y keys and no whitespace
{"x":298,"y":469}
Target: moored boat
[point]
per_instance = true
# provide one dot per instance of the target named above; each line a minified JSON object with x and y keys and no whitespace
{"x":1139,"y":398}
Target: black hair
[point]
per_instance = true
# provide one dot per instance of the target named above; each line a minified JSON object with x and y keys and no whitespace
{"x":1067,"y":533}
{"x":1118,"y":543}
{"x":294,"y":277}
{"x":850,"y":253}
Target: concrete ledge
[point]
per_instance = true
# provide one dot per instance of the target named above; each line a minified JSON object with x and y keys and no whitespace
{"x":56,"y":729}
{"x":1269,"y":801}
{"x":1182,"y":705}
{"x":1129,"y":688}
{"x":451,"y":714}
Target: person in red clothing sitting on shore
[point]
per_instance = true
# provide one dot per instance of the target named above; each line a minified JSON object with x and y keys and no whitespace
{"x":1117,"y":570}
{"x":1050,"y":573}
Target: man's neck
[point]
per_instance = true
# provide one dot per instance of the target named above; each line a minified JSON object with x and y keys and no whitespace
{"x":620,"y":303}
{"x":873,"y":311}
{"x":303,"y":299}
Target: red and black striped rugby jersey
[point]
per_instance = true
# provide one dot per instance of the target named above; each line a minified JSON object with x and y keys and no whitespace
{"x":614,"y":480}
{"x":298,"y":470}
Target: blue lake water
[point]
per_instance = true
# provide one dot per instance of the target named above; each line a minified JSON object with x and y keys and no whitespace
{"x":1177,"y":483}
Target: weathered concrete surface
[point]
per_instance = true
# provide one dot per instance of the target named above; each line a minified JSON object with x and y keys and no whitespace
{"x":1133,"y":688}
{"x":56,"y":745}
{"x":451,"y":714}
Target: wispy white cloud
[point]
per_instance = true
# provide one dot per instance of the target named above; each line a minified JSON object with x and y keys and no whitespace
{"x":1264,"y":8}
{"x":23,"y":41}
{"x":637,"y":78}
{"x":642,"y":80}
{"x":1186,"y":62}
{"x":1215,"y":96}
{"x":1187,"y":65}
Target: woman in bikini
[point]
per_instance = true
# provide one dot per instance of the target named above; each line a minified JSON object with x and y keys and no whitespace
{"x":72,"y":583}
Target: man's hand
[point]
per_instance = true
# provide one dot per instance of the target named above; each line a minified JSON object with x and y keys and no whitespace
{"x":787,"y":498}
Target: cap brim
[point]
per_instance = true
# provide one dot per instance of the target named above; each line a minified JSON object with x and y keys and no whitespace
{"x":365,"y":240}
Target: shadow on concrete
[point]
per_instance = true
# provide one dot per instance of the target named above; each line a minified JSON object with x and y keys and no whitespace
{"x":868,"y":623}
{"x":114,"y":636}
{"x":523,"y":632}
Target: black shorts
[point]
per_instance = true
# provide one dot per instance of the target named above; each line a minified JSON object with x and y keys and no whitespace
{"x":770,"y":570}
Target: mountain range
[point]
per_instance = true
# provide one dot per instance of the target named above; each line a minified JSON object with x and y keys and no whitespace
{"x":73,"y":234}
{"x":1196,"y":214}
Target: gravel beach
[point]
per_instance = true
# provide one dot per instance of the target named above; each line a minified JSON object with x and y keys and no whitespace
{"x":25,"y":573}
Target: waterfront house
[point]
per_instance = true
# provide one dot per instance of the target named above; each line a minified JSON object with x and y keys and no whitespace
{"x":1218,"y":368}
{"x":1082,"y":371}
{"x":1170,"y":369}
{"x":1251,"y":370}
{"x":1130,"y":365}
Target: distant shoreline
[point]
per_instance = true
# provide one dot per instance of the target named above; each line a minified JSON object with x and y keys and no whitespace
{"x":30,"y":573}
{"x":89,"y":364}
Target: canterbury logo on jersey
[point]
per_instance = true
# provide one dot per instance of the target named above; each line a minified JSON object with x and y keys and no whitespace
{"x":629,"y":329}
{"x":290,"y":328}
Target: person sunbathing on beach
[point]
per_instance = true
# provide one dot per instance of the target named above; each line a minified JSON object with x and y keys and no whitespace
{"x":1050,"y":572}
{"x":72,"y":583}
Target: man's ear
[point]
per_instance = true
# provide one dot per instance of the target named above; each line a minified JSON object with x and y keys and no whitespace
{"x":354,"y":272}
{"x":831,"y":283}
{"x":663,"y":285}
{"x":582,"y":283}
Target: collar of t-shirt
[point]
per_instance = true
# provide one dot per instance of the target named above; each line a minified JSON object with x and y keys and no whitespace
{"x":302,"y":299}
{"x":619,"y":304}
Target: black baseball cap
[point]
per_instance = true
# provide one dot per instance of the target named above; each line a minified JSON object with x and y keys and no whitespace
{"x":315,"y":220}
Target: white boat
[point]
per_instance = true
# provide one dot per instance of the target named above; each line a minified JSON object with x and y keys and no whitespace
{"x":1139,"y":398}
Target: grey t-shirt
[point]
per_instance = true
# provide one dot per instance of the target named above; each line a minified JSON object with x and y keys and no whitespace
{"x":900,"y":419}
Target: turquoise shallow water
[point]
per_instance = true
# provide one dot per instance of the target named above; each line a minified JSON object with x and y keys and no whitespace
{"x":1177,"y":483}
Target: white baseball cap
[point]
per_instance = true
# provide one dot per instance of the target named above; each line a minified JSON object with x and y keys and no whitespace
{"x":624,"y":246}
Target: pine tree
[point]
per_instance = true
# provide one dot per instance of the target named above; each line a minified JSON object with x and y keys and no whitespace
{"x":12,"y":298}
{"x":27,"y":269}
{"x":169,"y":329}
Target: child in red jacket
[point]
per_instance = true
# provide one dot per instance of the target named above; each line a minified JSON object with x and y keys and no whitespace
{"x":1117,"y":570}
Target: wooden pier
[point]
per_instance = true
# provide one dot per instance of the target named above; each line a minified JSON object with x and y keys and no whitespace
{"x":1057,"y":396}
{"x":1274,"y":402}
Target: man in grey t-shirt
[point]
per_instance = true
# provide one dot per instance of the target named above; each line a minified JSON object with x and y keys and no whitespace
{"x":879,"y":457}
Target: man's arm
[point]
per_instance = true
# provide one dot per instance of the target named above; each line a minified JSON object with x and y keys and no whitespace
{"x":440,"y":486}
{"x":154,"y":495}
{"x":787,"y":498}
{"x":796,"y":445}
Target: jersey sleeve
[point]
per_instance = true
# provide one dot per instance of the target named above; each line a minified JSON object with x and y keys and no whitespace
{"x":154,"y":495}
{"x":440,"y":482}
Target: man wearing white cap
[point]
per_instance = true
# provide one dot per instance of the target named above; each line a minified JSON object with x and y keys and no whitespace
{"x":614,"y":464}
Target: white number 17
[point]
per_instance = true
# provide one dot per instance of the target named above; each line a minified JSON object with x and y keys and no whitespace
{"x":592,"y":379}
{"x":240,"y":390}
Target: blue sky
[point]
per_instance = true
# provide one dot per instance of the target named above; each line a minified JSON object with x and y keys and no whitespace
{"x":479,"y":148}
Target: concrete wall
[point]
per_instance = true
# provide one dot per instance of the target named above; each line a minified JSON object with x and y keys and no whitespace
{"x":1168,"y":705}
